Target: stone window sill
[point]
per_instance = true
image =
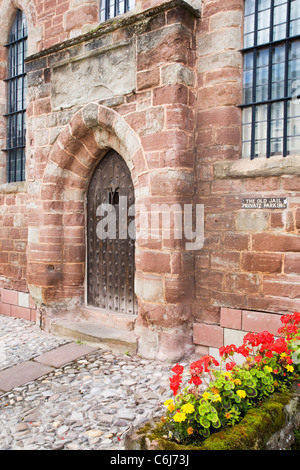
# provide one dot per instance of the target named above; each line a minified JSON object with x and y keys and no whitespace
{"x":11,"y":188}
{"x":244,"y":168}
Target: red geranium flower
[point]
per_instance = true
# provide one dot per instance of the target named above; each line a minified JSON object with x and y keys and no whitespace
{"x":178,"y":369}
{"x":230,"y":365}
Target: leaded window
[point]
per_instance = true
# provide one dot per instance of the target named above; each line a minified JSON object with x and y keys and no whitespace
{"x":112,"y":8}
{"x":271,"y":78}
{"x":16,"y":100}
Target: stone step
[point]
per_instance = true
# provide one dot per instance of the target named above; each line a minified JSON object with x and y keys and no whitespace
{"x":112,"y":320}
{"x":117,"y":340}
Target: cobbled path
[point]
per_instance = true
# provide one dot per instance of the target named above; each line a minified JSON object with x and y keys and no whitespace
{"x":88,"y":404}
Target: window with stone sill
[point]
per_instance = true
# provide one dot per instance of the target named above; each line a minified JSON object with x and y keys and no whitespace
{"x":16,"y":100}
{"x":111,"y":8}
{"x":271,"y":78}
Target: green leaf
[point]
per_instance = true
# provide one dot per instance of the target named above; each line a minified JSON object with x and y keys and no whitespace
{"x":251,"y":392}
{"x":228,"y":386}
{"x":204,"y":432}
{"x":213,"y":417}
{"x":204,"y":422}
{"x":217,"y":424}
{"x":270,"y":388}
{"x":203,"y":409}
{"x":226,"y":403}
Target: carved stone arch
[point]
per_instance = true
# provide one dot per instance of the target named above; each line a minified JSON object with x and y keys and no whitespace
{"x":56,"y":241}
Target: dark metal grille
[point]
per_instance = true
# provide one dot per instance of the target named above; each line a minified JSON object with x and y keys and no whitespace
{"x":271,"y":80}
{"x":16,"y":100}
{"x":112,"y":8}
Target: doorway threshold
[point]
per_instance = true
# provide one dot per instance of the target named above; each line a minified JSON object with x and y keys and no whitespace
{"x":113,"y":331}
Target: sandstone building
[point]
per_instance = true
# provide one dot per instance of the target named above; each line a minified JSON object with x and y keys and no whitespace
{"x":171,"y":104}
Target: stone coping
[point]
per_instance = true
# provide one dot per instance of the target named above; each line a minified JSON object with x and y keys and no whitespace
{"x":108,"y":26}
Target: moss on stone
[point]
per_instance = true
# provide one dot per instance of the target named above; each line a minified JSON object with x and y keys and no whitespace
{"x":252,"y":433}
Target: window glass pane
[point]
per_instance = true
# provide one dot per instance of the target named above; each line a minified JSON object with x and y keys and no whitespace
{"x":249,"y":7}
{"x":246,"y":150}
{"x":295,"y":9}
{"x":248,"y":78}
{"x":293,"y":145}
{"x":248,"y":61}
{"x":277,"y":90}
{"x":277,"y":113}
{"x":19,"y":165}
{"x":280,"y":16}
{"x":294,"y":69}
{"x":293,"y":127}
{"x":246,"y":132}
{"x":263,"y":36}
{"x":247,"y":115}
{"x":295,"y":27}
{"x":263,"y":4}
{"x":260,"y":148}
{"x":262,"y":58}
{"x":249,"y":40}
{"x":247,"y":91}
{"x":131,"y":4}
{"x":278,"y":70}
{"x":249,"y":24}
{"x":263,"y":33}
{"x":276,"y":146}
{"x":261,"y":131}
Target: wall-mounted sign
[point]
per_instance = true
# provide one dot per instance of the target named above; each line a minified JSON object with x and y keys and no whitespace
{"x":265,"y":203}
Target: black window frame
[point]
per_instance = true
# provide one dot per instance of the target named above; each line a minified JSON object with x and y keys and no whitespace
{"x":255,"y":49}
{"x":16,"y":100}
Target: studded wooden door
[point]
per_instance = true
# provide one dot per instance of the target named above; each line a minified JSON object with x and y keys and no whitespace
{"x":110,"y":250}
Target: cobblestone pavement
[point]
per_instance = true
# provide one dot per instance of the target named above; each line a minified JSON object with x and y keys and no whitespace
{"x":89,"y":403}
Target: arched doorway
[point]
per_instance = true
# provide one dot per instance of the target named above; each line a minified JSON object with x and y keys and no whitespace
{"x":110,"y":248}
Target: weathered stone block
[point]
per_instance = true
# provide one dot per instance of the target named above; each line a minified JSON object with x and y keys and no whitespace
{"x":94,"y":77}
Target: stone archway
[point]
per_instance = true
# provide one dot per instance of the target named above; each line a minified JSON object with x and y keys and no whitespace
{"x":56,"y":251}
{"x":56,"y":243}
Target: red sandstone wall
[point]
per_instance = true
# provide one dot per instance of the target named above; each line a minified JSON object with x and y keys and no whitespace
{"x":250,"y":260}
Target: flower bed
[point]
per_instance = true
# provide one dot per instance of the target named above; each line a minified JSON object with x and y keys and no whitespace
{"x":234,"y":393}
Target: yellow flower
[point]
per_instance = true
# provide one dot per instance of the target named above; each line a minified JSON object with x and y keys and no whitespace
{"x":269,"y":368}
{"x":188,"y":408}
{"x":282,"y":355}
{"x":289,"y":368}
{"x":205,"y":395}
{"x":178,"y":417}
{"x":241,"y":393}
{"x":237,"y":382}
{"x":218,"y":398}
{"x":168,"y":402}
{"x":227,"y":374}
{"x":190,"y":430}
{"x":170,"y":405}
